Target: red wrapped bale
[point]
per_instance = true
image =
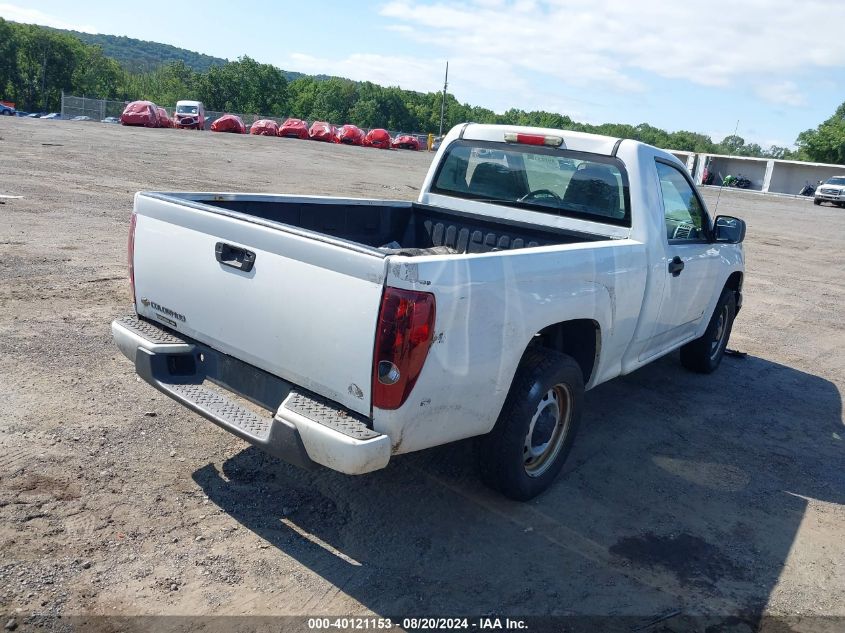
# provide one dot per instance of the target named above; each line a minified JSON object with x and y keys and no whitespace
{"x":349,"y":135}
{"x":264,"y":127}
{"x":294,"y":128}
{"x":406,"y":141}
{"x":143,"y":113}
{"x":229,"y":123}
{"x":164,"y":119}
{"x":322,"y":131}
{"x":379,"y":138}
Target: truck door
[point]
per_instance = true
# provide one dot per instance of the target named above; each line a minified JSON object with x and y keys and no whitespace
{"x":690,"y":261}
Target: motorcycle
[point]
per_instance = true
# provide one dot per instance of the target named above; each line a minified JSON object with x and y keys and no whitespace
{"x":808,"y":189}
{"x":739,"y":181}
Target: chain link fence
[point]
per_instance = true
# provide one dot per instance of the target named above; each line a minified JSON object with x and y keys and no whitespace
{"x":99,"y":109}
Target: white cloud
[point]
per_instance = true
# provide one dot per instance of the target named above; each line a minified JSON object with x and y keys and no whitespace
{"x":610,"y":43}
{"x":406,"y":72}
{"x":781,"y":92}
{"x":25,"y":15}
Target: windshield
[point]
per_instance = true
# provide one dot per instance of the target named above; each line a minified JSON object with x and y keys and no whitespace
{"x":575,"y":184}
{"x":183,"y":109}
{"x":836,"y":180}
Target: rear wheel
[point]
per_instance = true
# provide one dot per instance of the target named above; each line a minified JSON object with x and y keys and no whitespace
{"x":704,"y":354}
{"x":526,"y":449}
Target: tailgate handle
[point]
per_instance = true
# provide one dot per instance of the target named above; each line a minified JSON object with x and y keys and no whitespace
{"x":234,"y":256}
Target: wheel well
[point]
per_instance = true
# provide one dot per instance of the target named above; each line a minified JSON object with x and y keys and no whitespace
{"x":734,"y":282}
{"x":579,"y":338}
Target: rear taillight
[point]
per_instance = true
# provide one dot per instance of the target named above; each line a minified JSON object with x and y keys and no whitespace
{"x":404,"y":334}
{"x":131,"y":255}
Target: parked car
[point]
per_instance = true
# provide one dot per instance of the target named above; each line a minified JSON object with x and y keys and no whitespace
{"x":21,"y":113}
{"x":406,"y":141}
{"x":349,"y":135}
{"x":82,"y":117}
{"x":189,"y":115}
{"x":36,"y":115}
{"x":140,"y":113}
{"x":6,"y":110}
{"x":164,"y":119}
{"x":264,"y":127}
{"x":831,"y":190}
{"x":366,"y":329}
{"x":294,"y":128}
{"x":229,"y":123}
{"x":52,"y":115}
{"x":322,"y":131}
{"x":378,"y":138}
{"x":110,"y":119}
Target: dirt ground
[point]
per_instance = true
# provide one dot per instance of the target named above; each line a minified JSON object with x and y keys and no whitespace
{"x":713,"y":495}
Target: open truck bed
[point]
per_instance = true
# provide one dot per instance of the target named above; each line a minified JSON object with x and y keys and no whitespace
{"x":382,"y":226}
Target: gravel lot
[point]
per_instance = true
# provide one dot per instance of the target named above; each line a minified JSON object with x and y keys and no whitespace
{"x":712,"y":495}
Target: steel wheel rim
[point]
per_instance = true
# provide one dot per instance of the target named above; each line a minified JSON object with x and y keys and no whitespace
{"x":719,"y":334}
{"x":548,"y":430}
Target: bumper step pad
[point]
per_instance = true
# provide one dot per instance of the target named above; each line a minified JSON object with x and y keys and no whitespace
{"x":150,"y":331}
{"x":212,"y":404}
{"x":323,"y":411}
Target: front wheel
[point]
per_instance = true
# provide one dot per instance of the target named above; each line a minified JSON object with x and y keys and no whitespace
{"x":816,"y":201}
{"x":704,"y":354}
{"x":527,"y":447}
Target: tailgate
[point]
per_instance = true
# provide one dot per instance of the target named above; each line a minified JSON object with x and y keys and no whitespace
{"x":306,"y":311}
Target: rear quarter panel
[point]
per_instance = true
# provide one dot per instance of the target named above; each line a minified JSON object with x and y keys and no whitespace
{"x":489,"y":306}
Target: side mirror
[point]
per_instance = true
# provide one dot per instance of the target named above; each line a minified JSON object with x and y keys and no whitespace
{"x":729,"y":230}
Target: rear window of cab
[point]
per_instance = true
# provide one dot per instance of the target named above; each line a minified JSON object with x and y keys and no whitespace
{"x":549,"y":180}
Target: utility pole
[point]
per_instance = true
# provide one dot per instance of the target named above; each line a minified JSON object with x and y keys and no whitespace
{"x":44,"y":80}
{"x":443,"y":102}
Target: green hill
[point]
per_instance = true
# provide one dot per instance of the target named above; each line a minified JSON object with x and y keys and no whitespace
{"x":141,"y":55}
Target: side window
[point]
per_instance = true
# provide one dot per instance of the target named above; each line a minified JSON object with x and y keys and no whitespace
{"x":685,"y":218}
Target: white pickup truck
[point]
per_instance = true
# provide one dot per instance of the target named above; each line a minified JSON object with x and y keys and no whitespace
{"x":536,"y":263}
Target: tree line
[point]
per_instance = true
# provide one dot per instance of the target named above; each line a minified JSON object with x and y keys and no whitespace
{"x":37,"y":64}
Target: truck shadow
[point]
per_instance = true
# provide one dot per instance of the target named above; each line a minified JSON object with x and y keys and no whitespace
{"x":683,"y":492}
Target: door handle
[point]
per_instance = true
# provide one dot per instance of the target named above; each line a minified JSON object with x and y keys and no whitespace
{"x":676,"y":266}
{"x":234,"y":256}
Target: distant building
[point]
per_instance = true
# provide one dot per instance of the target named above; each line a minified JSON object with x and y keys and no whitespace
{"x":766,"y":174}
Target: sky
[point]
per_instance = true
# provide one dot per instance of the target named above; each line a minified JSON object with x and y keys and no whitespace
{"x":775,"y":67}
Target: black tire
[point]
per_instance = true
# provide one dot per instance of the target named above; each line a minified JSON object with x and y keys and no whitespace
{"x":546,"y":397}
{"x":816,"y":201}
{"x":704,"y":354}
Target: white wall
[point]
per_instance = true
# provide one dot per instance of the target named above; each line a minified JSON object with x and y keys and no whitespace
{"x":754,"y":169}
{"x":791,"y":177}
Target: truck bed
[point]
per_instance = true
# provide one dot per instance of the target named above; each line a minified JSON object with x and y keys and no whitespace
{"x":386,"y":227}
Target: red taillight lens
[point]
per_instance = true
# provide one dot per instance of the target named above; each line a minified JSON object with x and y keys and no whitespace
{"x":131,"y":255}
{"x":533,"y":139}
{"x":404,"y":334}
